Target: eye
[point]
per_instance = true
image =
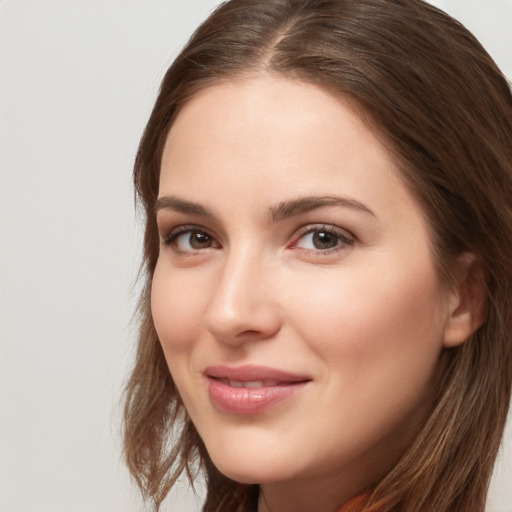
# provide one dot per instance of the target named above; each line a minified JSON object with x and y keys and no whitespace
{"x":323,"y":239}
{"x":190,"y":239}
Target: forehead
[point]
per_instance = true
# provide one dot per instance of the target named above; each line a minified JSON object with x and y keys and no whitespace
{"x":276,"y":137}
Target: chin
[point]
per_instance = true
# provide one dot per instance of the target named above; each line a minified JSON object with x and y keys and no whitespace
{"x":245,"y":471}
{"x":249,"y":469}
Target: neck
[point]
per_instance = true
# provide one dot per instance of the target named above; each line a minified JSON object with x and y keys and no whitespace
{"x":306,"y":496}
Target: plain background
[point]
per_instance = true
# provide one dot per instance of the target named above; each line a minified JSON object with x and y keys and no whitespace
{"x":77,"y":82}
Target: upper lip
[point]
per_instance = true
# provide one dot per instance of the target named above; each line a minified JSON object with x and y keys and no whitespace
{"x":250,"y":373}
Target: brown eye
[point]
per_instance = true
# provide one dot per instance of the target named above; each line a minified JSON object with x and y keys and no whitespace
{"x":188,"y":240}
{"x":324,"y":239}
{"x":199,"y":240}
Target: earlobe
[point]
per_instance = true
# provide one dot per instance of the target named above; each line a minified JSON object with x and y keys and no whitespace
{"x":467,"y":304}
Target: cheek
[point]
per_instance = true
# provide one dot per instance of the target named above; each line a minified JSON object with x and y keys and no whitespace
{"x":378,"y":339}
{"x":376,"y":318}
{"x":176,"y":307}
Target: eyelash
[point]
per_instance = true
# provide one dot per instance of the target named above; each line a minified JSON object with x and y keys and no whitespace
{"x":345,"y":239}
{"x":171,"y":238}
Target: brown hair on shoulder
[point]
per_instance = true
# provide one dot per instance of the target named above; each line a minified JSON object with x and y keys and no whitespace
{"x":444,"y":111}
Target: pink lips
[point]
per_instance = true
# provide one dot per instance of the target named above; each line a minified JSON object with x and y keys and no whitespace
{"x":251,"y":389}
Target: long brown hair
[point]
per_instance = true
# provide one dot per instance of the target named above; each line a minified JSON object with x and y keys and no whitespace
{"x":444,"y":110}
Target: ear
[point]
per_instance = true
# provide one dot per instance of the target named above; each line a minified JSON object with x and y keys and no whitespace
{"x":467,"y":301}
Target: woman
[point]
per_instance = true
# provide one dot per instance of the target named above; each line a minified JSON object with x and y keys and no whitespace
{"x":327,"y":308}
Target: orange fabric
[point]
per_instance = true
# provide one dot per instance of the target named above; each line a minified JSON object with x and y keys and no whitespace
{"x":355,"y":504}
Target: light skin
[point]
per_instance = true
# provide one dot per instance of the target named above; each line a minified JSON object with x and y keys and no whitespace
{"x":289,"y":240}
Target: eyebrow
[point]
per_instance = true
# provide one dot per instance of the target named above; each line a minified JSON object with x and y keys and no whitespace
{"x":307,"y":204}
{"x":279,"y":212}
{"x":180,"y":205}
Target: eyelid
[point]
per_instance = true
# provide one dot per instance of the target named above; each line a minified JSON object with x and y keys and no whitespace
{"x":324,"y":226}
{"x":346,"y":237}
{"x":174,"y":232}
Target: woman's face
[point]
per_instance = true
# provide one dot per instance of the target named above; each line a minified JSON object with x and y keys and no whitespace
{"x":295,"y":294}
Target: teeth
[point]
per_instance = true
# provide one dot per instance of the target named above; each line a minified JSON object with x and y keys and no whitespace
{"x":251,"y":383}
{"x":254,"y":384}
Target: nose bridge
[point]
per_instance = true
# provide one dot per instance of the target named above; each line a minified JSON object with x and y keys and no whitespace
{"x":242,"y":305}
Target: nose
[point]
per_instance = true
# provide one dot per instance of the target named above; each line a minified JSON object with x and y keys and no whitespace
{"x":243,"y":306}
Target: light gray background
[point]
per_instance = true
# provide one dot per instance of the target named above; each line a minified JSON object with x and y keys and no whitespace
{"x":77,"y":82}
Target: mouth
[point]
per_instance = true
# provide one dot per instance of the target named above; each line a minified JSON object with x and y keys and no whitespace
{"x":251,"y":383}
{"x":247,"y":390}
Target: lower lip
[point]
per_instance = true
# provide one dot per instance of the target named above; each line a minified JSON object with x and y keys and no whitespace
{"x":246,"y":401}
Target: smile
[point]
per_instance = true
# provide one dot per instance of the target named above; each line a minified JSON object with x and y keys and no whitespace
{"x":251,"y":390}
{"x":251,"y":383}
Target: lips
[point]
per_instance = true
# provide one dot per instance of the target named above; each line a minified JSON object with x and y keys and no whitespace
{"x":251,"y":389}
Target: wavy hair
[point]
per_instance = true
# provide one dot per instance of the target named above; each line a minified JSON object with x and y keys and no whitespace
{"x":444,"y":111}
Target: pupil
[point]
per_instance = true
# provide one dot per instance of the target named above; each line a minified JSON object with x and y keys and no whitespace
{"x":200,"y":240}
{"x":324,"y":240}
